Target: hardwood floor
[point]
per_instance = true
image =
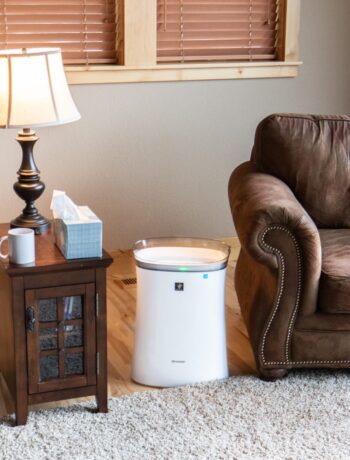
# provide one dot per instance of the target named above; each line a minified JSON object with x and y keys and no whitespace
{"x":121,"y":299}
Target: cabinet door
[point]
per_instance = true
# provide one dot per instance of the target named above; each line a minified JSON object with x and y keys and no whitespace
{"x":61,"y":337}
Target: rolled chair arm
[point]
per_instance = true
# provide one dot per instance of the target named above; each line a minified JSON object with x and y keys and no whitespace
{"x":278,"y":270}
{"x":260,"y":201}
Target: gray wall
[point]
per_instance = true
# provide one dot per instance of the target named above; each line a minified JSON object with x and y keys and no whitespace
{"x":154,"y":159}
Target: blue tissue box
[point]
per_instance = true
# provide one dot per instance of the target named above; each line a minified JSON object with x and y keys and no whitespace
{"x":78,"y":239}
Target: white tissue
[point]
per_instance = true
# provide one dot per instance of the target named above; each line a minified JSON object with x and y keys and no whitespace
{"x":64,"y":208}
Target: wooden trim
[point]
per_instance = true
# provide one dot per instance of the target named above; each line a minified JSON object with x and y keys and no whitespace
{"x":68,"y":393}
{"x":62,"y":383}
{"x":138,"y":53}
{"x":53,"y":352}
{"x":33,"y":359}
{"x":60,"y":327}
{"x":120,"y":31}
{"x":281,"y":36}
{"x":140,"y":32}
{"x":90,"y":334}
{"x":7,"y":334}
{"x":61,"y":291}
{"x":101,"y":341}
{"x":67,"y":322}
{"x":20,"y":350}
{"x":291,"y":30}
{"x":59,"y":278}
{"x":177,"y":72}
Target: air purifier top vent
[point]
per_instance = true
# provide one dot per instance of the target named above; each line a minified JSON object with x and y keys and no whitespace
{"x":181,"y":254}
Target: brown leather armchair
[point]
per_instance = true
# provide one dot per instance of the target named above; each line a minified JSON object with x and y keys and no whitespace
{"x":291,"y":207}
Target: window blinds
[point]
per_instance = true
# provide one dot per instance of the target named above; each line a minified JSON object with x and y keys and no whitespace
{"x":85,"y":30}
{"x":216,"y":30}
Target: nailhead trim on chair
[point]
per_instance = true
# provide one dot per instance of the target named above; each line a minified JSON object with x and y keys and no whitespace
{"x":281,"y":287}
{"x":278,"y":300}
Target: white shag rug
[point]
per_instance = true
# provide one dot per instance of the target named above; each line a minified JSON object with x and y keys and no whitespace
{"x":305,"y":416}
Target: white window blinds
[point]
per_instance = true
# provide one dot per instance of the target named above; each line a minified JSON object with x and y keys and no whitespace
{"x":217,"y":30}
{"x":85,"y":30}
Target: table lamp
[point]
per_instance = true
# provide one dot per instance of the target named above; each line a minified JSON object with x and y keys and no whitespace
{"x":33,"y":93}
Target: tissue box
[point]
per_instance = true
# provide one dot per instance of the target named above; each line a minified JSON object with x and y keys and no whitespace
{"x":79,"y":239}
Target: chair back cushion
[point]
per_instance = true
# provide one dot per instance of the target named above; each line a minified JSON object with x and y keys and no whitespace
{"x":310,"y":153}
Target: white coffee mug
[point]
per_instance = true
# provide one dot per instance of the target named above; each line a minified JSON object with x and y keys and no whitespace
{"x":21,"y":246}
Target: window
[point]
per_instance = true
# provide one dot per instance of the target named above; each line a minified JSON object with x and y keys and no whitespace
{"x":106,"y":41}
{"x":83,"y":29}
{"x":217,"y":30}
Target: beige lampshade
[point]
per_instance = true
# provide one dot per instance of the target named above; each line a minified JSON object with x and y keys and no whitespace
{"x":34,"y":90}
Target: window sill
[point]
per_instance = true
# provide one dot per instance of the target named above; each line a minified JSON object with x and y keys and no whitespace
{"x":78,"y":75}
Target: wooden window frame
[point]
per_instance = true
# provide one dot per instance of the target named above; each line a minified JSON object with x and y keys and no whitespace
{"x":137,"y":52}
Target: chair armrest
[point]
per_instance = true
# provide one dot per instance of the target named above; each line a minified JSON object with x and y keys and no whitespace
{"x":278,"y":270}
{"x":259,"y":201}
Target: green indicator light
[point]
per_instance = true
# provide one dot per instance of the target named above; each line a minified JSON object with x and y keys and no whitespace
{"x":183,"y":269}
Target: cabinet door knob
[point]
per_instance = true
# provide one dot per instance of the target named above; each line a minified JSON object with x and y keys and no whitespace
{"x":30,"y":319}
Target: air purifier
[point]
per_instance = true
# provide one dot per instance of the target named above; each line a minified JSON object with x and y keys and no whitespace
{"x":180,"y":334}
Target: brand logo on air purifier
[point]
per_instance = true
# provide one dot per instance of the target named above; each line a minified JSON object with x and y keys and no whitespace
{"x":179,"y":286}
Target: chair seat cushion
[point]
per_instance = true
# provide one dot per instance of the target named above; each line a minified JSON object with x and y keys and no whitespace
{"x":334,"y":291}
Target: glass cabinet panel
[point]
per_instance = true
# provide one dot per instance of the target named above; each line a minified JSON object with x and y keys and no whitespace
{"x":73,"y":307}
{"x":61,"y":327}
{"x":74,"y":363}
{"x":48,"y":339}
{"x":61,"y":337}
{"x":49,"y":367}
{"x":47,"y":310}
{"x":73,"y":336}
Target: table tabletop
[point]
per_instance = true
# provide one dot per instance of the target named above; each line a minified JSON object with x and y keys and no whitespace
{"x":49,"y":258}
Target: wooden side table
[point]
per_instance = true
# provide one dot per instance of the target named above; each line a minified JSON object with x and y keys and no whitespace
{"x":53,"y":335}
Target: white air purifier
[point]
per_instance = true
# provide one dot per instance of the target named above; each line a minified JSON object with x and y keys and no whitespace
{"x":180,"y":335}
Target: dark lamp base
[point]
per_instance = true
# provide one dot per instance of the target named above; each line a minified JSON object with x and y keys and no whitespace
{"x":39,"y":224}
{"x":29,"y":187}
